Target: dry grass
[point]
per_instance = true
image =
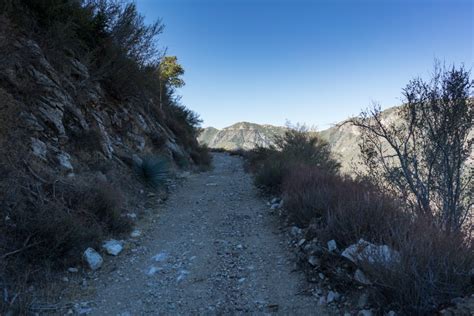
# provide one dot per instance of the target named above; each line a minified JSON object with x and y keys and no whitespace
{"x":434,"y":266}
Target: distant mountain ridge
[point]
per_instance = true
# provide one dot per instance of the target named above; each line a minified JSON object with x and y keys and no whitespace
{"x":343,"y":138}
{"x":242,"y":135}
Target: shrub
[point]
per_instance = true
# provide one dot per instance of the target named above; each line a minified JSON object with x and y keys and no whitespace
{"x":182,"y":161}
{"x":422,"y":156}
{"x":270,"y":174}
{"x":201,"y":157}
{"x":350,"y":208}
{"x":64,"y":218}
{"x":433,"y":269}
{"x":434,"y":266}
{"x":296,"y":148}
{"x":153,"y":171}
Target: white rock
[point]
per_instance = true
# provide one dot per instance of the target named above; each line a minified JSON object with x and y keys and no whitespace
{"x":182,"y":275}
{"x":391,"y":313}
{"x":162,"y":256}
{"x":365,"y":250}
{"x":65,"y":160}
{"x":73,"y":270}
{"x":132,"y":215}
{"x":360,"y":277}
{"x":152,"y":270}
{"x":113,"y":247}
{"x":275,"y":201}
{"x":296,"y":231}
{"x":39,"y":148}
{"x":93,"y":259}
{"x":332,"y":296}
{"x":275,"y":206}
{"x":332,"y":246}
{"x":135,"y":233}
{"x":301,"y":242}
{"x":365,"y":312}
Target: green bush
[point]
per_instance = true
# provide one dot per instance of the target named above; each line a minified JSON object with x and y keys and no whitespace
{"x":153,"y":171}
{"x":296,"y":148}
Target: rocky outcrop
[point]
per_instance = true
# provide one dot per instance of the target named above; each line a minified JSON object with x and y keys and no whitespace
{"x":67,"y":111}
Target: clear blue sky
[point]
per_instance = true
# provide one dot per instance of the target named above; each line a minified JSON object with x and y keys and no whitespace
{"x":314,"y":62}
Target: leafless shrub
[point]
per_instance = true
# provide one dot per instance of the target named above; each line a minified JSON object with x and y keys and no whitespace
{"x":350,"y":208}
{"x":422,"y":159}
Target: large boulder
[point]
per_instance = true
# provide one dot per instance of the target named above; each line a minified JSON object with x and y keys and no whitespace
{"x":93,"y":259}
{"x":371,"y":253}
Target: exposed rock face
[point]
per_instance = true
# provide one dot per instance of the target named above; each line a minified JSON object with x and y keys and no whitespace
{"x":241,"y":135}
{"x":58,"y":107}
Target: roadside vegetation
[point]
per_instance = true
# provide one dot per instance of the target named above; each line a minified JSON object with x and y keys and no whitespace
{"x":414,"y":192}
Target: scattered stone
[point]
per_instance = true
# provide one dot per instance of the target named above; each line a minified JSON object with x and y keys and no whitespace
{"x":275,"y":206}
{"x":321,"y":276}
{"x":93,"y":259}
{"x":296,"y":231}
{"x":275,"y":200}
{"x":313,"y":248}
{"x":301,"y":242}
{"x":132,"y":215}
{"x":365,"y":312}
{"x":211,"y":184}
{"x":152,"y":270}
{"x":366,"y":251}
{"x":135,"y":233}
{"x":332,"y":246}
{"x":360,"y":277}
{"x":113,"y":247}
{"x":322,"y":300}
{"x":162,"y":256}
{"x":332,"y":297}
{"x":182,"y":275}
{"x":391,"y":313}
{"x":73,"y":270}
{"x":314,"y":261}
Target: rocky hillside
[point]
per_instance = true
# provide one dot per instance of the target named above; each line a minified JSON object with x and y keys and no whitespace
{"x":242,"y":135}
{"x":90,"y":132}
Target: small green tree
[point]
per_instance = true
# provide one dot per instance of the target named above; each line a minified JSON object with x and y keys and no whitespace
{"x":170,"y":72}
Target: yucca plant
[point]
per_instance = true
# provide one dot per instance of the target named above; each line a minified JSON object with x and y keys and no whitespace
{"x":152,"y":170}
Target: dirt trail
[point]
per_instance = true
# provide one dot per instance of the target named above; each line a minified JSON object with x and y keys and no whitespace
{"x":215,"y":249}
